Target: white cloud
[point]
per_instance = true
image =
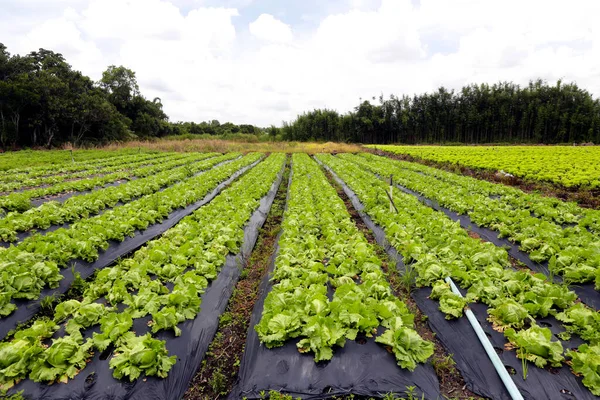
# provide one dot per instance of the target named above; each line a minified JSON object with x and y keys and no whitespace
{"x":387,"y":34}
{"x":270,"y":29}
{"x":62,"y":35}
{"x":217,"y":62}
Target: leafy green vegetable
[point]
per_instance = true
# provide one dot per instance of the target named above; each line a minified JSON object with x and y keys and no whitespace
{"x":113,"y":326}
{"x":320,"y":244}
{"x":406,"y":344}
{"x":451,"y":304}
{"x":17,"y":356}
{"x":138,"y":355}
{"x":61,"y":361}
{"x":438,"y":247}
{"x":582,"y":321}
{"x":586,"y":361}
{"x":536,"y":346}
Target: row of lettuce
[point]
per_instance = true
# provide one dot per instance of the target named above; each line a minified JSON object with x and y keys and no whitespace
{"x":532,"y":221}
{"x":38,"y":161}
{"x":165,"y":280}
{"x":22,"y":200}
{"x":40,"y":177}
{"x":320,"y":246}
{"x":570,"y":166}
{"x":35,"y":263}
{"x":153,"y":179}
{"x":437,"y":247}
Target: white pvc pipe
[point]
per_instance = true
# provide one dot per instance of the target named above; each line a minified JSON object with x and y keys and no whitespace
{"x":489,"y":349}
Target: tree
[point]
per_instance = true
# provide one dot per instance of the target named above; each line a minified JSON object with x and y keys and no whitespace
{"x":502,"y":112}
{"x":43,"y":101}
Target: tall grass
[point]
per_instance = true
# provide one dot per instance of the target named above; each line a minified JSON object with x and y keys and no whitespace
{"x":222,"y":146}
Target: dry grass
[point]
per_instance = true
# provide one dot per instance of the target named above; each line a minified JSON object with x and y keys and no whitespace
{"x":223,"y":146}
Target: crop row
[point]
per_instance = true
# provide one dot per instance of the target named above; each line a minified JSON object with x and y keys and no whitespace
{"x":435,"y":247}
{"x":17,"y":174}
{"x":320,"y":245}
{"x":77,"y":207}
{"x":35,"y":262}
{"x":21,"y":201}
{"x":186,"y":258}
{"x":572,"y":252}
{"x":20,"y":181}
{"x":568,"y":166}
{"x":544,"y":207}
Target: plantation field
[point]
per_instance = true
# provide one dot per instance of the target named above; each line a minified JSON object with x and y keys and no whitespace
{"x":124,"y":273}
{"x":569,"y":166}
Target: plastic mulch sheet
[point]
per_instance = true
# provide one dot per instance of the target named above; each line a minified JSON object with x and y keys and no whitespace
{"x":586,"y":292}
{"x":28,"y":308}
{"x":96,"y":380}
{"x":62,"y":197}
{"x":459,"y":339}
{"x":37,"y":202}
{"x":361,"y":367}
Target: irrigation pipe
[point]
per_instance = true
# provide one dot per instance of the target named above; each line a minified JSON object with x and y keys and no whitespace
{"x":489,"y":349}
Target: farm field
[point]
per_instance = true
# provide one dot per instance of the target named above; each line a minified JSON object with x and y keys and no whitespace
{"x":568,"y":166}
{"x":118,"y":271}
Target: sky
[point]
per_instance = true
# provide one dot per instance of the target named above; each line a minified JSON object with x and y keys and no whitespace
{"x":266,"y":61}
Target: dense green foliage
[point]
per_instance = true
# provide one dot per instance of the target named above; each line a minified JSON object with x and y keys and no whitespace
{"x":34,"y":263}
{"x":322,"y":246}
{"x":568,"y":166}
{"x":164,"y":279}
{"x":571,"y":251}
{"x":436,"y":247}
{"x":44,"y":102}
{"x":503,"y":112}
{"x":37,"y":161}
{"x":213,"y":128}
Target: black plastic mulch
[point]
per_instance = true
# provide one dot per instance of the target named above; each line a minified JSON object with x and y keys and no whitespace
{"x":62,"y":198}
{"x":586,"y":291}
{"x":460,"y":340}
{"x":96,"y":380}
{"x":29,"y":308}
{"x":361,"y":367}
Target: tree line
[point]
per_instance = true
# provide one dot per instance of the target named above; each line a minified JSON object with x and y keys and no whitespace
{"x":44,"y":102}
{"x":500,"y":113}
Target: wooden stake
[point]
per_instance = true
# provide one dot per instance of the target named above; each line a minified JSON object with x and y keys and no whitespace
{"x":391,"y":195}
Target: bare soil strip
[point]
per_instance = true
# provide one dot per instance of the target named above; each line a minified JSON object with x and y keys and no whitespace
{"x":219,"y":370}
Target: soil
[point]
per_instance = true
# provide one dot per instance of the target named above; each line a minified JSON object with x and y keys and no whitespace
{"x":452,"y":385}
{"x":219,"y":370}
{"x":220,"y":367}
{"x":589,"y":198}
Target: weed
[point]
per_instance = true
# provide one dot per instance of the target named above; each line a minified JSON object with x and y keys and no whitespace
{"x":443,"y":364}
{"x":410,"y":394}
{"x":47,"y":304}
{"x":218,"y":382}
{"x":408,"y":278}
{"x":225,"y":319}
{"x":523,"y":355}
{"x":275,"y":395}
{"x":16,"y":396}
{"x":78,"y":286}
